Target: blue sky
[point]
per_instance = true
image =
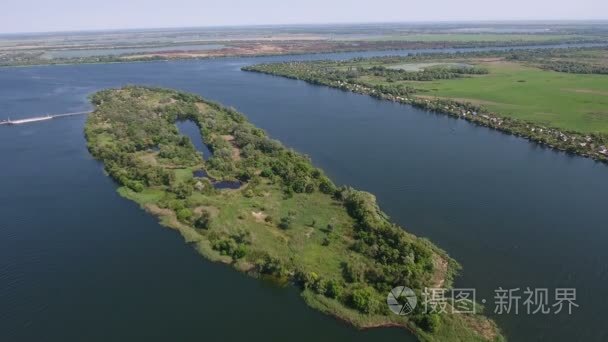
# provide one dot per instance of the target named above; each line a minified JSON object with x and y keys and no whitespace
{"x":59,"y":15}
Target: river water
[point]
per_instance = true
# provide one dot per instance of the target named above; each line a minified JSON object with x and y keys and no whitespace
{"x":80,"y":263}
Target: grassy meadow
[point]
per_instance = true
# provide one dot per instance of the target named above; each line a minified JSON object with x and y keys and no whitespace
{"x":577,"y":102}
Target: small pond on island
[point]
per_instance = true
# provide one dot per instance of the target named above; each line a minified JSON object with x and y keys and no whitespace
{"x":192,"y":131}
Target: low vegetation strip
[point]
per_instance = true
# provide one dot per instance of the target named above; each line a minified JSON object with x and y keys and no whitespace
{"x":509,"y":91}
{"x":287,"y":222}
{"x":43,"y":55}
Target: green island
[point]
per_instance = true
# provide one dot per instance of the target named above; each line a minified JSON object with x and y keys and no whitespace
{"x":555,"y":97}
{"x":287,"y":222}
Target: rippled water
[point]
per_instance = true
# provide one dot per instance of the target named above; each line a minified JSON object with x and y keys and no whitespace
{"x":77,"y":262}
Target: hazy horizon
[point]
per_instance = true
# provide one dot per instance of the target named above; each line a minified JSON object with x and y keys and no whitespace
{"x":305,"y":24}
{"x":36,"y":16}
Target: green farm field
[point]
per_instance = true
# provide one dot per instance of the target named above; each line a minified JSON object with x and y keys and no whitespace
{"x":474,"y":37}
{"x":576,"y":102}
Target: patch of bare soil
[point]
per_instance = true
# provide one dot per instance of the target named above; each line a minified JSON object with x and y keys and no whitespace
{"x":259,"y":216}
{"x":284,"y":45}
{"x":309,"y":232}
{"x":441,"y":269}
{"x":236,"y":152}
{"x":482,"y":326}
{"x":163,"y":212}
{"x":203,"y":107}
{"x":238,"y":49}
{"x":156,"y":210}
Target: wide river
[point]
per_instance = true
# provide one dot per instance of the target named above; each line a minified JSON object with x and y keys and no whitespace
{"x":80,"y":263}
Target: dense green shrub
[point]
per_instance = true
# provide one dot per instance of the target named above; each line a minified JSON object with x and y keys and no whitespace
{"x":182,"y":190}
{"x":230,"y":247}
{"x":184,"y":215}
{"x":364,"y":299}
{"x":285,"y":222}
{"x":429,"y":322}
{"x":334,"y":289}
{"x":203,"y":221}
{"x":271,"y":266}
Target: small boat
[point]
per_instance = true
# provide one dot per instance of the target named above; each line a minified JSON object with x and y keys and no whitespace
{"x":28,"y":120}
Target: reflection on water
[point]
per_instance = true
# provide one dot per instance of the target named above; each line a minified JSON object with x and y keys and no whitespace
{"x":225,"y":184}
{"x":200,"y":174}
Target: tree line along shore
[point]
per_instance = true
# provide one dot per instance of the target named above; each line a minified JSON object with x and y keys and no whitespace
{"x":287,"y":222}
{"x":492,"y":89}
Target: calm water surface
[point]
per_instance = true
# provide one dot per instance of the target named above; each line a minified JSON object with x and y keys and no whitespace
{"x":77,"y":262}
{"x":191,"y":130}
